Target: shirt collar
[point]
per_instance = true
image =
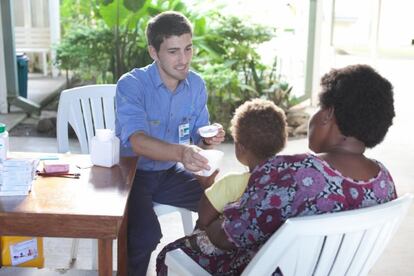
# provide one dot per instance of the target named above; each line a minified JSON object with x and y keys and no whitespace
{"x":155,"y":75}
{"x":156,"y":78}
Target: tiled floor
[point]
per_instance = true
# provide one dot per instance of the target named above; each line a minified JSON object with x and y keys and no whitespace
{"x":396,"y":152}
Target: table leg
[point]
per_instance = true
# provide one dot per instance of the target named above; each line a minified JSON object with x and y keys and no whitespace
{"x":122,"y":249}
{"x":105,"y":257}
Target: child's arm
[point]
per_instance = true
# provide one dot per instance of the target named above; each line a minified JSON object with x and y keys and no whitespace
{"x":206,"y":181}
{"x":206,"y":213}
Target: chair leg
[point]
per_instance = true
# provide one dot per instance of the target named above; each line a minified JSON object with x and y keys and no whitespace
{"x":187,"y":219}
{"x":74,"y":250}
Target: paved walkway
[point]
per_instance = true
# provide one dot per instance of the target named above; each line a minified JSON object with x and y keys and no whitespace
{"x":41,"y":90}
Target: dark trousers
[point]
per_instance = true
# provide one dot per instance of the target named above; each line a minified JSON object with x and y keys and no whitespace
{"x":174,"y":186}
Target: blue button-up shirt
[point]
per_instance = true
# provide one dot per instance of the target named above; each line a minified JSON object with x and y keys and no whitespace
{"x":144,"y":103}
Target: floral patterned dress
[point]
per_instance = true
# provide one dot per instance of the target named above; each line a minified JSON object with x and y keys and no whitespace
{"x":283,"y":187}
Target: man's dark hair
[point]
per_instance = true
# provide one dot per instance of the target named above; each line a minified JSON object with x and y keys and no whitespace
{"x":363,"y":102}
{"x":164,"y":25}
{"x":260,"y":126}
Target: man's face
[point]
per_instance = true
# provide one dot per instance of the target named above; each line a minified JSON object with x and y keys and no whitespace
{"x":173,"y":58}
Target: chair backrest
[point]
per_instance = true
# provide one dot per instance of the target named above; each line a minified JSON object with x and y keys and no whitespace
{"x":343,"y":243}
{"x":86,"y":109}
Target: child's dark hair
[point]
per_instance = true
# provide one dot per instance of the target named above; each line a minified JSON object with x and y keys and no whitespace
{"x":362,"y":100}
{"x":260,"y":126}
{"x":164,"y":25}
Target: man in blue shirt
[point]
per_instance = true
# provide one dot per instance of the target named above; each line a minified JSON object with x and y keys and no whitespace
{"x":159,"y":109}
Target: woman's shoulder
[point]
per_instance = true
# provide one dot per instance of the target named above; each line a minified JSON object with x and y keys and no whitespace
{"x":384,"y":173}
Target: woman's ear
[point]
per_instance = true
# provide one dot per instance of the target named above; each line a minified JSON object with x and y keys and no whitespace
{"x":328,"y":115}
{"x":331,"y":112}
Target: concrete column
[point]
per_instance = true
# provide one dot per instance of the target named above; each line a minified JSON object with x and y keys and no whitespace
{"x":8,"y":48}
{"x":10,"y":64}
{"x":324,"y":51}
{"x":313,"y":36}
{"x":54,"y":26}
{"x":3,"y":87}
{"x":374,"y":32}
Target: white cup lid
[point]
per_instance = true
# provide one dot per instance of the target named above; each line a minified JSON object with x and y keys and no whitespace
{"x":208,"y":131}
{"x":104,"y":134}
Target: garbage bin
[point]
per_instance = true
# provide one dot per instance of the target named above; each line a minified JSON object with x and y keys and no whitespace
{"x":22,"y":72}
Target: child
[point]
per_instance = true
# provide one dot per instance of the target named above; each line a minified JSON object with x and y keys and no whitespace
{"x":259,"y":131}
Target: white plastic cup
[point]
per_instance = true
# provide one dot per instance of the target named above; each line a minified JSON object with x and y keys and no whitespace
{"x":104,"y":148}
{"x":214,"y":160}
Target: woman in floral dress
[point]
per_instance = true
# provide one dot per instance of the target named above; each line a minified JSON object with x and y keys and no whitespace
{"x":356,"y":110}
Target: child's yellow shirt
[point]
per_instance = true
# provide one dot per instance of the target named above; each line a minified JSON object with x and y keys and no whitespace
{"x":227,"y":189}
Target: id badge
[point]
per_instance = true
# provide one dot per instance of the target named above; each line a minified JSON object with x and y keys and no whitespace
{"x":184,"y":134}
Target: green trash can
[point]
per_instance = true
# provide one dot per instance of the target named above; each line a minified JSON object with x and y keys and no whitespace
{"x":22,"y":73}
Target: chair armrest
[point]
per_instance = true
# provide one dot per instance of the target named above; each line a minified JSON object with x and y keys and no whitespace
{"x":179,"y":263}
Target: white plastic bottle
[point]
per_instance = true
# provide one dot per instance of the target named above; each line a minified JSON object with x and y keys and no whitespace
{"x":104,"y":148}
{"x":4,"y":142}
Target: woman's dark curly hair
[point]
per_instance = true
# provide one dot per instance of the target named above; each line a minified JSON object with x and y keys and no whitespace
{"x":362,"y":100}
{"x":260,"y":126}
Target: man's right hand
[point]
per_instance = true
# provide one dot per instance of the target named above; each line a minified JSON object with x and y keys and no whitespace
{"x":192,"y":160}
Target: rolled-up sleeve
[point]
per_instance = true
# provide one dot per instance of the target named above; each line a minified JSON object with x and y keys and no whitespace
{"x":130,"y":108}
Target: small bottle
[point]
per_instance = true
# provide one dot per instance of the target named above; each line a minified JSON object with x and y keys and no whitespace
{"x":104,"y":148}
{"x":4,"y":142}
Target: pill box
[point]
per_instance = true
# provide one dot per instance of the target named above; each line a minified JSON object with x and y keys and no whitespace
{"x":53,"y":166}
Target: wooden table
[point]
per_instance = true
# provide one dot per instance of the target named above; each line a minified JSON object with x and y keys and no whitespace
{"x":93,"y":206}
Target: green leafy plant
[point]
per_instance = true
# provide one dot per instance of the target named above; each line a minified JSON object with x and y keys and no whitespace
{"x":95,"y":45}
{"x":234,"y":71}
{"x":121,"y":26}
{"x":104,"y":39}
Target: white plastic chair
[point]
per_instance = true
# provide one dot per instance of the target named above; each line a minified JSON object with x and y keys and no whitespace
{"x":343,"y":243}
{"x":86,"y":109}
